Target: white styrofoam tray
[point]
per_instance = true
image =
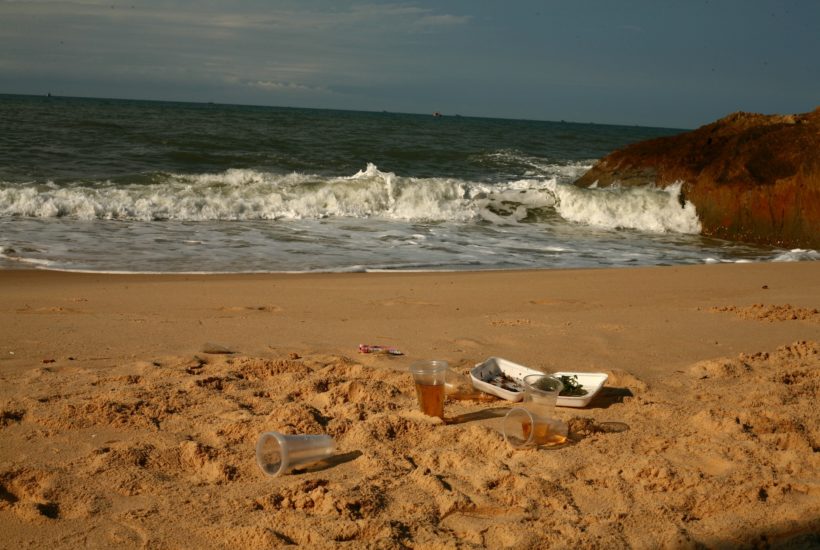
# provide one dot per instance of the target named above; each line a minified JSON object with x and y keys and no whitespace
{"x":590,"y":381}
{"x":495,"y":366}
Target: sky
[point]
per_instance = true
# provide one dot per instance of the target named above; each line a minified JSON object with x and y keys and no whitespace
{"x":676,"y":64}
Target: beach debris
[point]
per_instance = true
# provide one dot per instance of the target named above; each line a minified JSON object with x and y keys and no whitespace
{"x":49,"y":360}
{"x":368,"y":348}
{"x":500,"y":377}
{"x":278,"y":453}
{"x":571,"y":386}
{"x":504,"y":382}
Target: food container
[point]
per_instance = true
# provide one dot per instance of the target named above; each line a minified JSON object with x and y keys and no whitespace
{"x":496,"y":368}
{"x":592,"y":382}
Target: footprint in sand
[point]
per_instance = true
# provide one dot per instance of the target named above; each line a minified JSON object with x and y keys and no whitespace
{"x":24,"y":491}
{"x":469,"y":343}
{"x":128,"y":535}
{"x":114,"y":534}
{"x":246,"y":309}
{"x":555,"y":302}
{"x":10,"y":414}
{"x":402,"y":302}
{"x":205,"y":463}
{"x":215,"y":383}
{"x":510,"y":322}
{"x":47,"y":310}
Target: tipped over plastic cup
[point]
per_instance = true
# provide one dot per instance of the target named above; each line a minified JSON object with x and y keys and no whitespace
{"x":523,"y":429}
{"x":277,"y":453}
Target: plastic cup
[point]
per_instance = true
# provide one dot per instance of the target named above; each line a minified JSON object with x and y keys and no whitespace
{"x":276,"y":453}
{"x":541,"y":393}
{"x":430,"y":378}
{"x":523,"y":429}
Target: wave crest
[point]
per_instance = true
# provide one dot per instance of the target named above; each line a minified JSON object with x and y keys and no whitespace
{"x":244,"y":194}
{"x":645,"y":208}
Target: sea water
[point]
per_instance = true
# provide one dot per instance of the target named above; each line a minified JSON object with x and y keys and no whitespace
{"x":136,"y":186}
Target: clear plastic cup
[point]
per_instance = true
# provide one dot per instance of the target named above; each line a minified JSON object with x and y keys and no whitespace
{"x":430,"y":378}
{"x":277,"y":453}
{"x":523,"y":429}
{"x":541,"y":393}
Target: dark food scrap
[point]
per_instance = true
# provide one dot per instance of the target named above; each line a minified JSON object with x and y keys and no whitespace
{"x":572,"y":388}
{"x":503,"y":381}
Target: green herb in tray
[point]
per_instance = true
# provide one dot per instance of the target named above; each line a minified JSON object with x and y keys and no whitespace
{"x":572,"y":388}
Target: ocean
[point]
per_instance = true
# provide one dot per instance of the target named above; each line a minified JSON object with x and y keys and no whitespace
{"x":105,"y":185}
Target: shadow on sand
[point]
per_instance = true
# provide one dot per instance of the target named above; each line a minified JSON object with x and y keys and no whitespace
{"x":329,"y":462}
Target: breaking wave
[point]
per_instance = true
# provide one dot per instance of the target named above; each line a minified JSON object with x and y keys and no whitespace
{"x":243,"y":194}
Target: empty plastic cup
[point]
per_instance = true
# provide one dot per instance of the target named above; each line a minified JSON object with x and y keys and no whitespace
{"x":430,"y":378}
{"x":524,"y":428}
{"x":276,"y":453}
{"x":541,"y":393}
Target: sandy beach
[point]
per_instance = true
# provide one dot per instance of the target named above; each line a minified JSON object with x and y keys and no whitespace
{"x":125,"y":422}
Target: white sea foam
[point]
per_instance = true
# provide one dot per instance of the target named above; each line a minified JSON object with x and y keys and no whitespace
{"x":798,"y":255}
{"x":644,"y":208}
{"x":254,"y":195}
{"x":536,"y":166}
{"x":13,"y":257}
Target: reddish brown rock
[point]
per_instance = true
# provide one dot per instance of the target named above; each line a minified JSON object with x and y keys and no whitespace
{"x":751,"y":177}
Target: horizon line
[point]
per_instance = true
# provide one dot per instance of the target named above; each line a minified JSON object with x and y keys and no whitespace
{"x":433,"y":114}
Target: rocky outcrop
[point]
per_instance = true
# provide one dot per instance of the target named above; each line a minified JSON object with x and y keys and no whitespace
{"x":751,"y":177}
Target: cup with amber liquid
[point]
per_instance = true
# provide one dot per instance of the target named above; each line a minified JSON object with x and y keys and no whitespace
{"x":430,"y":378}
{"x":533,"y":423}
{"x":524,"y":429}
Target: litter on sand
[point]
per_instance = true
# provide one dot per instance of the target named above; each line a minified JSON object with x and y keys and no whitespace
{"x":367,"y":348}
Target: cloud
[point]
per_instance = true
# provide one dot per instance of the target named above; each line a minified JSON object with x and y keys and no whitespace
{"x":272,"y":50}
{"x":283,"y":86}
{"x":216,"y":19}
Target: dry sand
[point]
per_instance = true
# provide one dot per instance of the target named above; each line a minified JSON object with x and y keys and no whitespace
{"x":117,"y":429}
